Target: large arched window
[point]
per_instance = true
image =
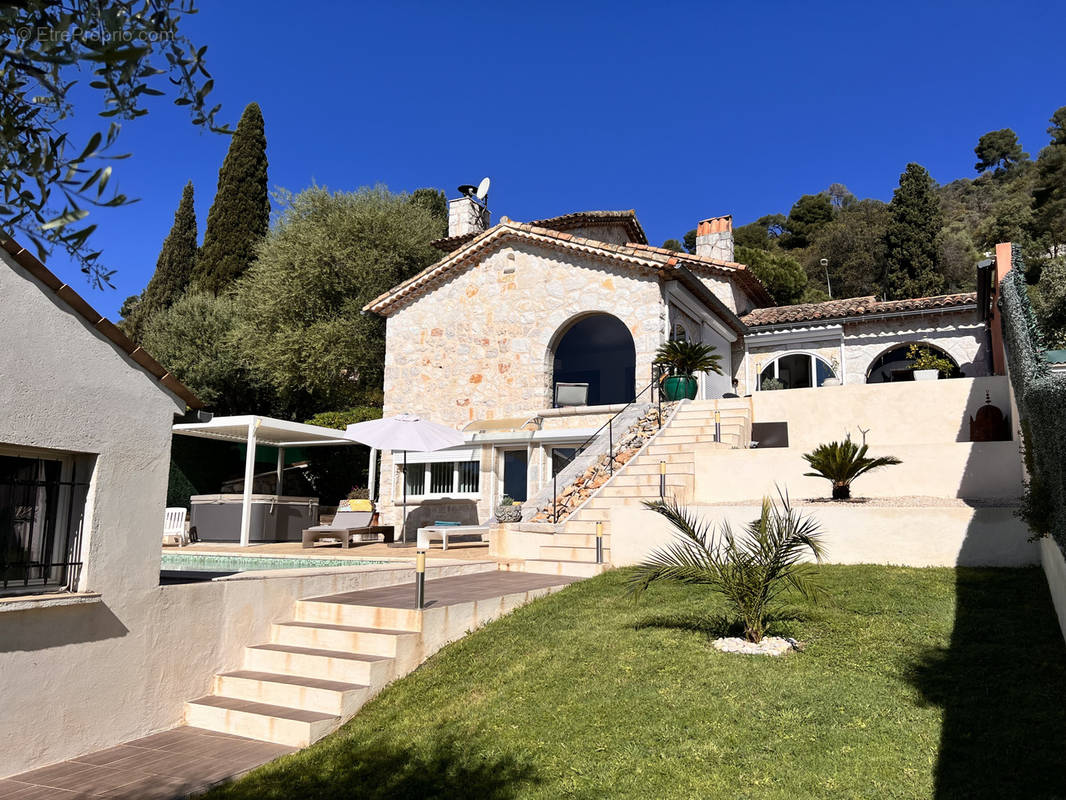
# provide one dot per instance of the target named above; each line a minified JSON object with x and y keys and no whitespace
{"x":597,"y":350}
{"x":895,"y":364}
{"x":795,"y":371}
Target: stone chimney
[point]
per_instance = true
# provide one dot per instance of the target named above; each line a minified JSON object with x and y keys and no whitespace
{"x":714,"y":238}
{"x":467,"y":215}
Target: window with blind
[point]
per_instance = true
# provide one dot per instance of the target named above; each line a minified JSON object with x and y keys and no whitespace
{"x":444,"y":478}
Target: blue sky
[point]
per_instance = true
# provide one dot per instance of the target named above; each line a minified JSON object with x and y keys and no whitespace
{"x":680,"y":110}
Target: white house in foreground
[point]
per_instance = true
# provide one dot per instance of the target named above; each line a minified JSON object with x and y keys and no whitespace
{"x":483,"y":338}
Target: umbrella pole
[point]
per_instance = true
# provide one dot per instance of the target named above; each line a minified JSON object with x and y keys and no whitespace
{"x":403,"y":529}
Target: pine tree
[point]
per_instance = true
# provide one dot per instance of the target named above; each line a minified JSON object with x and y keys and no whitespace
{"x":1049,"y":193}
{"x":912,"y":240}
{"x":173,"y":268}
{"x":240,"y":215}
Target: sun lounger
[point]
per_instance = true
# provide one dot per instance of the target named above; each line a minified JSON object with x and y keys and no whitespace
{"x":442,"y":530}
{"x":348,"y":527}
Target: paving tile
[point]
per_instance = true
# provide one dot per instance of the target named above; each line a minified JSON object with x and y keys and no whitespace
{"x":155,"y":787}
{"x":110,"y":755}
{"x":17,"y":790}
{"x":49,"y":776}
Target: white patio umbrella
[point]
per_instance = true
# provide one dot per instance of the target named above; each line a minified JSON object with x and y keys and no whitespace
{"x":404,"y":432}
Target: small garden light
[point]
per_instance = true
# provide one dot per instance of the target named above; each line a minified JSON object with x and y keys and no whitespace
{"x":599,"y":542}
{"x":422,"y":545}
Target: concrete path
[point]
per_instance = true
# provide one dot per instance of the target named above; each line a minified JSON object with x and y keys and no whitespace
{"x":163,"y":766}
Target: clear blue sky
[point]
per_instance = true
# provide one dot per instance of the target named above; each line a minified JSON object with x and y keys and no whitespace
{"x":679,"y":110}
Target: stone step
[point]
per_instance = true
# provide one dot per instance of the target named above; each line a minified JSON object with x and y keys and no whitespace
{"x":562,"y":553}
{"x":582,"y":526}
{"x":690,"y":419}
{"x":292,"y":691}
{"x":648,"y":491}
{"x":672,"y":479}
{"x":535,"y":527}
{"x":402,"y":619}
{"x":588,"y":514}
{"x":668,"y":449}
{"x":331,"y":665}
{"x":578,"y":539}
{"x":268,"y":723}
{"x":349,"y":638}
{"x":697,"y":435}
{"x":577,"y":569}
{"x":651,"y":467}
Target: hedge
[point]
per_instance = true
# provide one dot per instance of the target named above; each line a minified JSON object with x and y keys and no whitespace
{"x":1041,"y":398}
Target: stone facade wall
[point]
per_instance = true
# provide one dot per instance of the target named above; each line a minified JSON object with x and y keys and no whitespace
{"x":479,"y":346}
{"x":611,"y":233}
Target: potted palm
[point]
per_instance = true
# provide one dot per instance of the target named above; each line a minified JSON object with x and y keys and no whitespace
{"x":682,"y":360}
{"x":927,"y":365}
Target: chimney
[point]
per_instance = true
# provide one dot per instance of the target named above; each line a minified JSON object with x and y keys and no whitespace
{"x":467,"y":215}
{"x":714,"y":238}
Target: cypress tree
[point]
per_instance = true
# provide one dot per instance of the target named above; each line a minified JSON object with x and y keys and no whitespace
{"x":912,"y":239}
{"x":173,"y":268}
{"x":240,"y":215}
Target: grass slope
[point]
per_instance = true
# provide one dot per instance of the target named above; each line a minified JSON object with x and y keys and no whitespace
{"x":914,"y":684}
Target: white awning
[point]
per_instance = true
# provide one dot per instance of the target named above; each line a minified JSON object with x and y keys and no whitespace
{"x":252,"y":430}
{"x":268,"y":431}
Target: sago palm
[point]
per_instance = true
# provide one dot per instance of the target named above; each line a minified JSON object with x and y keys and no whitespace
{"x":840,"y":463}
{"x":750,"y":570}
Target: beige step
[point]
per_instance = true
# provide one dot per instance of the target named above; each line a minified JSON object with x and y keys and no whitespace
{"x":649,"y":491}
{"x":651,"y":467}
{"x":697,"y":435}
{"x":668,"y":449}
{"x":578,"y":539}
{"x":350,"y":638}
{"x":535,"y":527}
{"x":588,"y":514}
{"x":672,"y":479}
{"x":577,"y":569}
{"x":561,"y":553}
{"x":584,"y":526}
{"x":314,"y":610}
{"x":332,"y":665}
{"x":268,"y":723}
{"x":292,"y":691}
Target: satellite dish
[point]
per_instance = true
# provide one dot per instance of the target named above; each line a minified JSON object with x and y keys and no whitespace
{"x":483,"y":189}
{"x":467,"y":190}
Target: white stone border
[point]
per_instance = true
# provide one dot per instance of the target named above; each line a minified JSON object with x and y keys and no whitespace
{"x":1054,"y":563}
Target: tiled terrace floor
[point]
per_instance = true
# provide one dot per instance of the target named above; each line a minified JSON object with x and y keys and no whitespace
{"x":451,"y":591}
{"x":172,"y":764}
{"x":463,"y":551}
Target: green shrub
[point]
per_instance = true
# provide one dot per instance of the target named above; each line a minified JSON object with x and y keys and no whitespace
{"x":840,"y":463}
{"x":924,"y":358}
{"x":681,"y":357}
{"x":1041,"y":398}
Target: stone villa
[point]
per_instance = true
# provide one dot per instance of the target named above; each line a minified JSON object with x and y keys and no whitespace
{"x":484,"y":338}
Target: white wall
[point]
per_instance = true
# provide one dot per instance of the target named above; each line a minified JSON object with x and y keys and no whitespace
{"x":915,"y":537}
{"x":986,"y":470}
{"x":1054,"y":565}
{"x":911,"y":412}
{"x":82,"y":677}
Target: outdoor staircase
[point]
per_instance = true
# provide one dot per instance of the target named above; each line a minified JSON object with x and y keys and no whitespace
{"x":315,"y":672}
{"x":573,"y":545}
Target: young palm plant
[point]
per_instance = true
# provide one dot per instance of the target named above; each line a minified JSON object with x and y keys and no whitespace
{"x":840,"y":463}
{"x":750,"y":570}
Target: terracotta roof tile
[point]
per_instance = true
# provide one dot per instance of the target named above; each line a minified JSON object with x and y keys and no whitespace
{"x":562,"y":223}
{"x":97,"y":321}
{"x":854,"y":307}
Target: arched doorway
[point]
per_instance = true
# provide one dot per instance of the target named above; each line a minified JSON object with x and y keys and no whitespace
{"x":597,"y":350}
{"x":895,"y":364}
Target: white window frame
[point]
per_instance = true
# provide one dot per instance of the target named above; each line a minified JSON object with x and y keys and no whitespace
{"x":427,"y":479}
{"x":814,"y":357}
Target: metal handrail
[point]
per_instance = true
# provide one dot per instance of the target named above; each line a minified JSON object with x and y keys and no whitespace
{"x":655,"y":388}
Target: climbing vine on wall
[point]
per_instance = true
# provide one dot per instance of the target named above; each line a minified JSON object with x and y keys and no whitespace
{"x":1041,"y":398}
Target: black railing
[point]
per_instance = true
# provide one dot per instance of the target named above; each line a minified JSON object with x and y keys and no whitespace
{"x":40,"y":523}
{"x":654,"y":389}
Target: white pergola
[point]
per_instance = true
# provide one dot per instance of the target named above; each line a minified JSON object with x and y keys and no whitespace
{"x":279,"y":433}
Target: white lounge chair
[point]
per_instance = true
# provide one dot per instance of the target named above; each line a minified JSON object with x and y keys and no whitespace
{"x":174,"y":526}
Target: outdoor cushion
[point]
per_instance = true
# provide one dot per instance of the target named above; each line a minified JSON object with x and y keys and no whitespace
{"x":346,"y":519}
{"x":439,"y":523}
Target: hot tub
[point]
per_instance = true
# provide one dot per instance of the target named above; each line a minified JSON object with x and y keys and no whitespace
{"x":217,"y":517}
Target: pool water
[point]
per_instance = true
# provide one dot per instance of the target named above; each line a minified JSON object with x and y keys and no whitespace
{"x":205,"y":562}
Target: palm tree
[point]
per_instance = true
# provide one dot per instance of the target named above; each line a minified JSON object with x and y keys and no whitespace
{"x":750,"y":571}
{"x":682,"y":357}
{"x":842,"y":462}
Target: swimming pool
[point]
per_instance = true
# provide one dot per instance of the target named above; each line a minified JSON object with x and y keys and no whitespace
{"x":218,"y":563}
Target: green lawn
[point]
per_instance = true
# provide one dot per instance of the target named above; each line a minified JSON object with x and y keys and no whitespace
{"x":915,"y":683}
